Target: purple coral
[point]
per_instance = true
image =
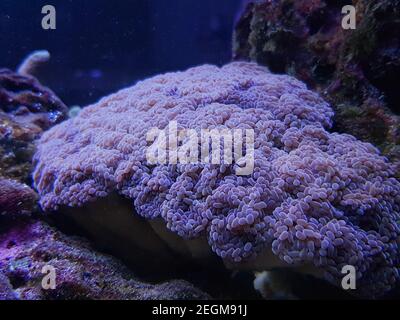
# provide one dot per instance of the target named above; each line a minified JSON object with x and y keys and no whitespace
{"x":316,"y":197}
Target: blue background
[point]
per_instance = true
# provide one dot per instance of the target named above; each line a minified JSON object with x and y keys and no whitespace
{"x":100,"y":46}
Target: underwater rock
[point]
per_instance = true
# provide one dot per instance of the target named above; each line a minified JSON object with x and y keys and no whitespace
{"x":26,"y":109}
{"x":6,"y":290}
{"x":28,"y":249}
{"x":16,"y":199}
{"x":357,"y":71}
{"x":314,"y":201}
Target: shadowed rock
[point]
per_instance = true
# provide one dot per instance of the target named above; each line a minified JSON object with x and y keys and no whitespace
{"x":80,"y":272}
{"x":16,"y":199}
{"x":27,"y":108}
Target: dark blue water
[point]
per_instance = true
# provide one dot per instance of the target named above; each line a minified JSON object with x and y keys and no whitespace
{"x":100,"y":46}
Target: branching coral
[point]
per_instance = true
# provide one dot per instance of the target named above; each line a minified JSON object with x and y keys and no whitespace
{"x":315,"y":197}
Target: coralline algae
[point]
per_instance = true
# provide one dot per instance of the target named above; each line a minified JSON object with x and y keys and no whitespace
{"x":28,"y":247}
{"x":16,"y":199}
{"x":316,"y":198}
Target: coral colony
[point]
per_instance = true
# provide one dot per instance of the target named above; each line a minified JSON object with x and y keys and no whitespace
{"x":313,"y":197}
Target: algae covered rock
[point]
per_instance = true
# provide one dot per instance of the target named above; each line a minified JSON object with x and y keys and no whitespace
{"x":30,"y":249}
{"x":357,"y":71}
{"x":16,"y":199}
{"x":27,"y":108}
